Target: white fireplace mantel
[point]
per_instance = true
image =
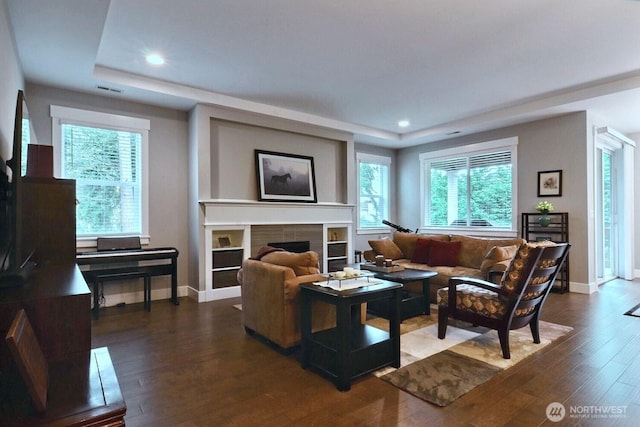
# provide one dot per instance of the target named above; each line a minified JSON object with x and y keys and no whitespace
{"x":248,"y":212}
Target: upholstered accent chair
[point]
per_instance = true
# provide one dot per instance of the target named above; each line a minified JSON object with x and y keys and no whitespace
{"x":271,"y":296}
{"x":513,"y":303}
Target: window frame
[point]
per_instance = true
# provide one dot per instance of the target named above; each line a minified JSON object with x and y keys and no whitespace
{"x":73,"y":116}
{"x":379,"y":160}
{"x":426,"y":158}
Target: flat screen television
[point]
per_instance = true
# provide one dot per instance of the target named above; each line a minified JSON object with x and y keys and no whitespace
{"x":15,"y":264}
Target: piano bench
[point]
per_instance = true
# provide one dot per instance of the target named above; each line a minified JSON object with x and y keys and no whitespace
{"x":129,"y":275}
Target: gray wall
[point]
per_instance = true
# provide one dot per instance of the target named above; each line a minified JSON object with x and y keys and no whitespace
{"x":237,"y":179}
{"x":551,"y":144}
{"x":168,"y":220}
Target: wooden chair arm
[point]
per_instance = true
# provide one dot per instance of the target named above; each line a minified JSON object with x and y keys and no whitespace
{"x":454,"y":281}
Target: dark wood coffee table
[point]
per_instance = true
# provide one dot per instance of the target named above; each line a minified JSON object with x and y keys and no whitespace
{"x":351,"y":349}
{"x":412,"y":304}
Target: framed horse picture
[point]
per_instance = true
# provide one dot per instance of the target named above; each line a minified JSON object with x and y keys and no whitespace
{"x":285,"y":177}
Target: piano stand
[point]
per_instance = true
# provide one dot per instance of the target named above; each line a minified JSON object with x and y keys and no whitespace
{"x":100,"y":278}
{"x":101,"y":266}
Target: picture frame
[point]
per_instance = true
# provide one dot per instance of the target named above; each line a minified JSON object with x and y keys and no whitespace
{"x":550,"y":183}
{"x":224,"y":241}
{"x":283,"y":177}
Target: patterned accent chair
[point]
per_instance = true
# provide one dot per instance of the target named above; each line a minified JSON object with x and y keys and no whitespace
{"x":513,"y":303}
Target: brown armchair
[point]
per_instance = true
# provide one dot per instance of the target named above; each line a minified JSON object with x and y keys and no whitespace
{"x":513,"y":303}
{"x":271,"y":296}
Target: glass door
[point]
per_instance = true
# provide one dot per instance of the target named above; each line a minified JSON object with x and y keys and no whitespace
{"x":607,"y":215}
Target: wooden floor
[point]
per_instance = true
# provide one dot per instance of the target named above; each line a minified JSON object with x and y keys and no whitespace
{"x":193,"y":365}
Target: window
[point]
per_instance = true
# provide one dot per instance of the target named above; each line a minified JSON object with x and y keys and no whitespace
{"x":106,"y":155}
{"x":471,"y":187}
{"x":373,"y":191}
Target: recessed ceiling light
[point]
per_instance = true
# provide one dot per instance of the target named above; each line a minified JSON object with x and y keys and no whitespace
{"x":403,"y":123}
{"x":155,"y":59}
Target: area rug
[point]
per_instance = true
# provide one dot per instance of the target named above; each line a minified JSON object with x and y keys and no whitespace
{"x":440,"y":371}
{"x":635,"y":311}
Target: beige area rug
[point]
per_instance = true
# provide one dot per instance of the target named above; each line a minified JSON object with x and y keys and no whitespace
{"x":440,"y":371}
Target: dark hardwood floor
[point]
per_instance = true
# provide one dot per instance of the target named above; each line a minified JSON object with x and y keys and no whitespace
{"x":193,"y":365}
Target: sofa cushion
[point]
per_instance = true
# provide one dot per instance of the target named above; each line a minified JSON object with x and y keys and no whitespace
{"x":495,"y":255}
{"x":386,"y":248}
{"x":444,"y":253}
{"x":301,"y":263}
{"x":421,"y":251}
{"x":474,"y":249}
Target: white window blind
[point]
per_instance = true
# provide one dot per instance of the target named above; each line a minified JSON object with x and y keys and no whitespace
{"x":106,"y":165}
{"x":472,"y":187}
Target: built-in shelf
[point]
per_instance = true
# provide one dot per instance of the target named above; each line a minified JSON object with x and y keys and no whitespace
{"x":337,"y":247}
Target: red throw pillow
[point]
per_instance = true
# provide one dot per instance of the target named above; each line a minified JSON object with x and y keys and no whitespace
{"x":444,"y":253}
{"x":421,"y":251}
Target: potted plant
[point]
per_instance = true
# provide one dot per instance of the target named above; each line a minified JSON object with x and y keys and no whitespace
{"x":544,"y":208}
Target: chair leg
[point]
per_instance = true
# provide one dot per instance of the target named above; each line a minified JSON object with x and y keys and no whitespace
{"x":535,"y":330}
{"x":443,"y":319}
{"x":503,"y":334}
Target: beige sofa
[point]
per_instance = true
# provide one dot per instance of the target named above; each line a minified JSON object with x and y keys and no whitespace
{"x":452,"y":255}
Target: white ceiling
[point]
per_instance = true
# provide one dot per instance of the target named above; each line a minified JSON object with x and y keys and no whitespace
{"x":356,"y":65}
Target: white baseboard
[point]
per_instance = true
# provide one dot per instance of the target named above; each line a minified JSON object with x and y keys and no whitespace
{"x":583,"y":288}
{"x":216,"y":294}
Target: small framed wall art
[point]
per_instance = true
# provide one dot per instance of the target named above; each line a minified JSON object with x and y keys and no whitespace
{"x":285,"y":177}
{"x":224,"y":241}
{"x":550,"y":183}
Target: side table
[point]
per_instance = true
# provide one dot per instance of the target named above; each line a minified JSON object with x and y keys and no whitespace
{"x":351,"y":349}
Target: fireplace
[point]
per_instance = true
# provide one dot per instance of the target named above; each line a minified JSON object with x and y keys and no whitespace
{"x":298,"y":247}
{"x":250,"y":225}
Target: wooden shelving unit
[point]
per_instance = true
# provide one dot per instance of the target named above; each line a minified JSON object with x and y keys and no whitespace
{"x":557,"y":231}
